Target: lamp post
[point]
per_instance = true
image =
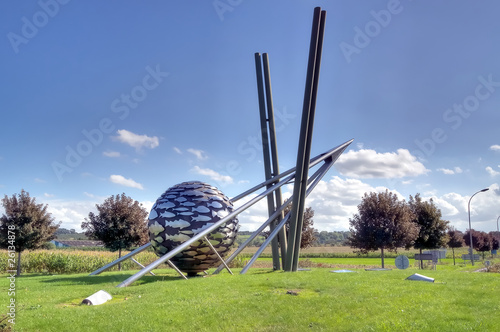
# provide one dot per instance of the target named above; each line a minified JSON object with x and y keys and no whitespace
{"x":470,"y":228}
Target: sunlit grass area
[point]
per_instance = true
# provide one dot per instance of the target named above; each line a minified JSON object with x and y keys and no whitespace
{"x":262,"y":300}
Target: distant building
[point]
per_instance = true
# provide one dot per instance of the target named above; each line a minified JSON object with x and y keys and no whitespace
{"x":76,"y":243}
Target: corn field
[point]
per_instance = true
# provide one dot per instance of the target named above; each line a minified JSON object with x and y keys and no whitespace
{"x":73,"y":261}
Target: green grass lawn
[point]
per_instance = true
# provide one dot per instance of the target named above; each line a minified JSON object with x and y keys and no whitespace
{"x":258,"y":301}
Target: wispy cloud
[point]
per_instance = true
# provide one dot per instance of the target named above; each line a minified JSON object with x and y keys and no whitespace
{"x":212,"y":175}
{"x":491,"y":171}
{"x":371,"y":164}
{"x":447,"y":171}
{"x":121,"y":180}
{"x":136,"y":141}
{"x":200,"y":155}
{"x":177,"y":150}
{"x":495,"y":147}
{"x":38,"y":180}
{"x":48,"y":195}
{"x":111,"y":154}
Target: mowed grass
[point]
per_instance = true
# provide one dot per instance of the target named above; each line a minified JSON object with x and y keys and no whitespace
{"x":318,"y":300}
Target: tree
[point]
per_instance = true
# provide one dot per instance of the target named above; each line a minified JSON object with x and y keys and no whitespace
{"x":495,"y":243}
{"x":308,"y":238}
{"x":486,"y":244}
{"x":383,"y":222}
{"x":432,"y":229}
{"x":25,"y":225}
{"x":455,"y":240}
{"x":120,"y":223}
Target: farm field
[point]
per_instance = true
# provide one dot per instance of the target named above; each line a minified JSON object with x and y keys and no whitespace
{"x":262,"y":300}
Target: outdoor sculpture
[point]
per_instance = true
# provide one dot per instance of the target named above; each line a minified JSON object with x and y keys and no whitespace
{"x":182,"y":212}
{"x":192,"y":225}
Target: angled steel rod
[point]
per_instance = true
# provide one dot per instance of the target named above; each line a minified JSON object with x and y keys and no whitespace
{"x":314,"y":161}
{"x":217,"y":253}
{"x":142,"y":266}
{"x":169,"y":262}
{"x":166,"y":258}
{"x":200,"y":235}
{"x":266,"y":150}
{"x":318,"y":175}
{"x":332,"y":158}
{"x":278,"y":199}
{"x":121,"y":259}
{"x":305,"y":140}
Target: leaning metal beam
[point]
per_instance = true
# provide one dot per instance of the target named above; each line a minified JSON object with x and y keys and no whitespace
{"x":331,"y":159}
{"x":314,"y":161}
{"x":142,"y":266}
{"x":121,"y":259}
{"x":314,"y":180}
{"x":200,"y":235}
{"x":217,"y":253}
{"x":230,"y":216}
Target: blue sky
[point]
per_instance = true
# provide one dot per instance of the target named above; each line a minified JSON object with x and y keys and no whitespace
{"x":104,"y":97}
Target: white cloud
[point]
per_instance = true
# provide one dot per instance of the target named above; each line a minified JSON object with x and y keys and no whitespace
{"x":371,"y":164}
{"x":37,"y":180}
{"x":447,"y":171}
{"x":201,"y":155}
{"x":136,"y":141}
{"x":225,"y":179}
{"x":48,"y":195}
{"x":495,"y":147}
{"x":177,"y":150}
{"x":491,"y":171}
{"x":334,"y":202}
{"x":111,"y":154}
{"x":119,"y":179}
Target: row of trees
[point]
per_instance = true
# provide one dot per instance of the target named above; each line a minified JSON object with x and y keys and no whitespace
{"x":120,"y":223}
{"x":384,"y":222}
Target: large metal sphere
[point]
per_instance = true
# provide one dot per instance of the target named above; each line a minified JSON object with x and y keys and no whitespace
{"x":185,"y":210}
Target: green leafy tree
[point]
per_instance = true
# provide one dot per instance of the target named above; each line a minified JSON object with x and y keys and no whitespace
{"x":382,"y":222}
{"x":308,"y":238}
{"x":432,"y":229}
{"x":495,"y":243}
{"x":120,"y":224}
{"x":455,"y":240}
{"x":25,"y":225}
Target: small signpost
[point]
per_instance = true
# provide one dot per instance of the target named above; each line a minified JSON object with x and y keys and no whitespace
{"x":467,"y":257}
{"x":433,"y":256}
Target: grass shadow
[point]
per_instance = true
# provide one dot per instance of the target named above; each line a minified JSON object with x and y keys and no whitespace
{"x":107,"y":279}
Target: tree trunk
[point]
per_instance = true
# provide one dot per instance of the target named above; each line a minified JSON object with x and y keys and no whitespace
{"x":119,"y":256}
{"x":18,"y":264}
{"x":453,"y":251}
{"x":421,"y":261}
{"x":382,"y":255}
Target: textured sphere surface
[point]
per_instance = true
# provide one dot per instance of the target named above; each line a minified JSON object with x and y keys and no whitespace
{"x":185,"y":210}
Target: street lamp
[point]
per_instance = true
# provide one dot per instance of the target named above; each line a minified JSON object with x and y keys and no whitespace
{"x":470,"y":228}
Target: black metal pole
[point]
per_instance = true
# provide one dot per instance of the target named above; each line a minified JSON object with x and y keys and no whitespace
{"x":274,"y":154}
{"x":266,"y":153}
{"x":302,"y":166}
{"x":317,"y":65}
